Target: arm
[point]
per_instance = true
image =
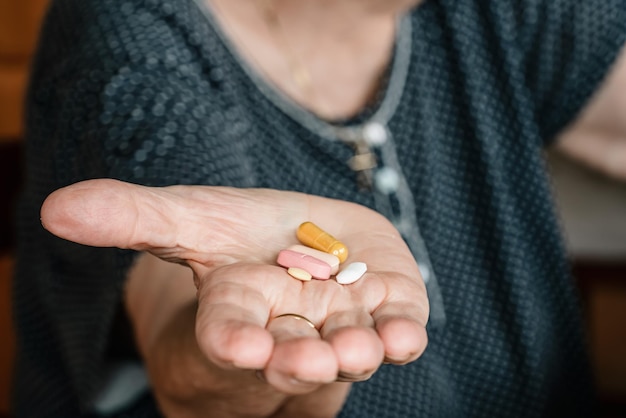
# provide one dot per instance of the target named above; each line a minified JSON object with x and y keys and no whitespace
{"x":202,"y":348}
{"x":598,"y":136}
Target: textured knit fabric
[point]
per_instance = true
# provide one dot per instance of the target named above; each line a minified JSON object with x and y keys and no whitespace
{"x":146,"y":91}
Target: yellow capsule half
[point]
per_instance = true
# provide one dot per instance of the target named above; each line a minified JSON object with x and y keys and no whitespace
{"x":313,"y":236}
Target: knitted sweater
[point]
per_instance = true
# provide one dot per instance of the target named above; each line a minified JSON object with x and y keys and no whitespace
{"x":151,"y":92}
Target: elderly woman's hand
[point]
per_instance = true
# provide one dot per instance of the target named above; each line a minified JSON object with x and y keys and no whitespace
{"x":230,"y":238}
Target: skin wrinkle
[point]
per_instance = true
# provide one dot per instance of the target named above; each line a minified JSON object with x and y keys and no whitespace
{"x":137,"y":224}
{"x":334,"y":332}
{"x":378,"y":295}
{"x":223,"y":231}
{"x":214,"y":338}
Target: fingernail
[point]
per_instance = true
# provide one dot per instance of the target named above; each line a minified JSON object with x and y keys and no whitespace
{"x":348,"y":377}
{"x":397,"y":362}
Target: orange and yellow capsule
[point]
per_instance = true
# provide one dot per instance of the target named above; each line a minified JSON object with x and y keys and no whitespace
{"x":313,"y":236}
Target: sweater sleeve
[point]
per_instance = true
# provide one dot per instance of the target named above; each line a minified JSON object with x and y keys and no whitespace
{"x":561,"y":49}
{"x":569,"y":47}
{"x":546,"y":57}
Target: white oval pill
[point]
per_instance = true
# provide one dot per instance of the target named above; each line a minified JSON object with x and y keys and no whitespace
{"x":351,"y":273}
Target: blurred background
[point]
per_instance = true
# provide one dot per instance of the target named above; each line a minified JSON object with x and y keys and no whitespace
{"x":592,"y":207}
{"x":19,"y":23}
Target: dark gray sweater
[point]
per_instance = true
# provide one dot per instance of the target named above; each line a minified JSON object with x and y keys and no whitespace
{"x":147,"y":91}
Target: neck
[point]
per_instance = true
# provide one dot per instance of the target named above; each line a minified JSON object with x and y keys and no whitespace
{"x":334,"y":19}
{"x":343,"y":47}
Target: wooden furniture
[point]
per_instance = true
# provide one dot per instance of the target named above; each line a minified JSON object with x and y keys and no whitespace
{"x":19,"y":23}
{"x":7,"y":347}
{"x":592,"y":210}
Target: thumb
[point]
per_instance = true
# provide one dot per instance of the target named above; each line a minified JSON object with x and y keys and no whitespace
{"x":110,"y":213}
{"x":200,"y":223}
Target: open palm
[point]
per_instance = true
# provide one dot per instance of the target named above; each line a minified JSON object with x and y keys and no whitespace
{"x":230,"y":238}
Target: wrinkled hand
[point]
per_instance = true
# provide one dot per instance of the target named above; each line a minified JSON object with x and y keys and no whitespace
{"x":230,"y":239}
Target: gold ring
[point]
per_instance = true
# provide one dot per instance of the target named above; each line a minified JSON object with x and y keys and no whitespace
{"x":298,"y":317}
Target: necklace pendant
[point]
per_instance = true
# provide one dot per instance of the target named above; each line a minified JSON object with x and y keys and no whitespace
{"x":365,"y":180}
{"x":301,"y":77}
{"x":363,"y":162}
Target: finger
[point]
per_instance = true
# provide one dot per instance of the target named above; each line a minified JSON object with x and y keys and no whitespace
{"x":230,"y":325}
{"x":358,"y":347}
{"x":301,"y":360}
{"x":402,"y":329}
{"x":324,"y":402}
{"x":109,"y":213}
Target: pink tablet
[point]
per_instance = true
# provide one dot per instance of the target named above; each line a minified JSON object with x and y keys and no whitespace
{"x":316,"y":268}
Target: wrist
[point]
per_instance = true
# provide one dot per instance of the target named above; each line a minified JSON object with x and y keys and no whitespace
{"x":155,"y":291}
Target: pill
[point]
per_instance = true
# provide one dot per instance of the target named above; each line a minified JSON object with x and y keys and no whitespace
{"x":316,"y":268}
{"x":331,"y":260}
{"x":351,"y":273}
{"x":313,"y":236}
{"x":299,"y":274}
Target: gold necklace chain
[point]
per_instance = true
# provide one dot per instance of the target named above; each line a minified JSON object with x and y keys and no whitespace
{"x":300,"y":75}
{"x":364,"y":160}
{"x":298,"y":72}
